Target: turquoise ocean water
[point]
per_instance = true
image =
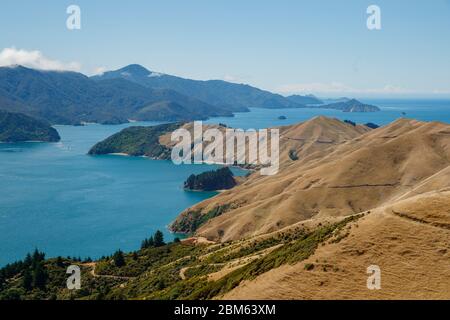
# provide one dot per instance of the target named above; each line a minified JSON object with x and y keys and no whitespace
{"x":56,"y":198}
{"x":426,"y":110}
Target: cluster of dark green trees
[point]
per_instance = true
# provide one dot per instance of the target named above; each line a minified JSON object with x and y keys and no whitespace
{"x":32,"y":269}
{"x":350,"y":122}
{"x":211,"y":180}
{"x":34,"y":272}
{"x":368,"y":124}
{"x":155,"y":241}
{"x":119,"y":259}
{"x":137,"y":141}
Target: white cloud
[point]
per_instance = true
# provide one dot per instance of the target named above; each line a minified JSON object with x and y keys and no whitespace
{"x":99,"y":71}
{"x":155,"y":75}
{"x":34,"y":59}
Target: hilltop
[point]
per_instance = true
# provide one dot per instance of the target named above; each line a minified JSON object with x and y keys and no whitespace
{"x":305,"y":100}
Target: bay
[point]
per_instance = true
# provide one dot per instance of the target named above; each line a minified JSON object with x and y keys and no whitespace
{"x":56,"y":198}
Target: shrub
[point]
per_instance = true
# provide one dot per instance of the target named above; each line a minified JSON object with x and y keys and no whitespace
{"x":293,"y":155}
{"x":309,"y":266}
{"x":350,"y":122}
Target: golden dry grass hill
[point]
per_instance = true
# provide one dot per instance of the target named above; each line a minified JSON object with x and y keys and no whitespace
{"x":409,"y":241}
{"x":340,"y":170}
{"x":397,"y":175}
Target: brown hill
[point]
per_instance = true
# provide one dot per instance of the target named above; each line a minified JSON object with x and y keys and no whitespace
{"x":317,"y":134}
{"x":409,"y":240}
{"x":340,"y":170}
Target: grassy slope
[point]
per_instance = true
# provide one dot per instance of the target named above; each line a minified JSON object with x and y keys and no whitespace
{"x":409,"y":240}
{"x":354,"y":175}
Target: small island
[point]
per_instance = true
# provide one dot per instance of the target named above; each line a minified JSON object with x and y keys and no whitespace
{"x":18,"y":127}
{"x":221,"y":179}
{"x":372,"y":125}
{"x":352,"y":105}
{"x":137,"y":141}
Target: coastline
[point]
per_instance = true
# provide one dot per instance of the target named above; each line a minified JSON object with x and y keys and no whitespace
{"x":121,"y":154}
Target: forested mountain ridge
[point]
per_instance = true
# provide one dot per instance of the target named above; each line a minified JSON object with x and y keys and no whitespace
{"x":232,"y":96}
{"x":73,"y":98}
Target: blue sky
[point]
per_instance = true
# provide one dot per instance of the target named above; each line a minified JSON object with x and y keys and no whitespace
{"x":320,"y":46}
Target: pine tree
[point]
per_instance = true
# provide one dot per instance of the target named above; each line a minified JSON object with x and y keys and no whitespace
{"x":38,"y":256}
{"x":28,"y":260}
{"x":27,"y":281}
{"x":59,"y":261}
{"x":144,"y":244}
{"x":119,"y":260}
{"x":151,"y":242}
{"x":158,"y":239}
{"x":40,"y":276}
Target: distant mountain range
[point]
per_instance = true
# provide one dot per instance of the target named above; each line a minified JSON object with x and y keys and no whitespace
{"x":16,"y":127}
{"x":73,"y":98}
{"x":135,"y":93}
{"x":232,"y":96}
